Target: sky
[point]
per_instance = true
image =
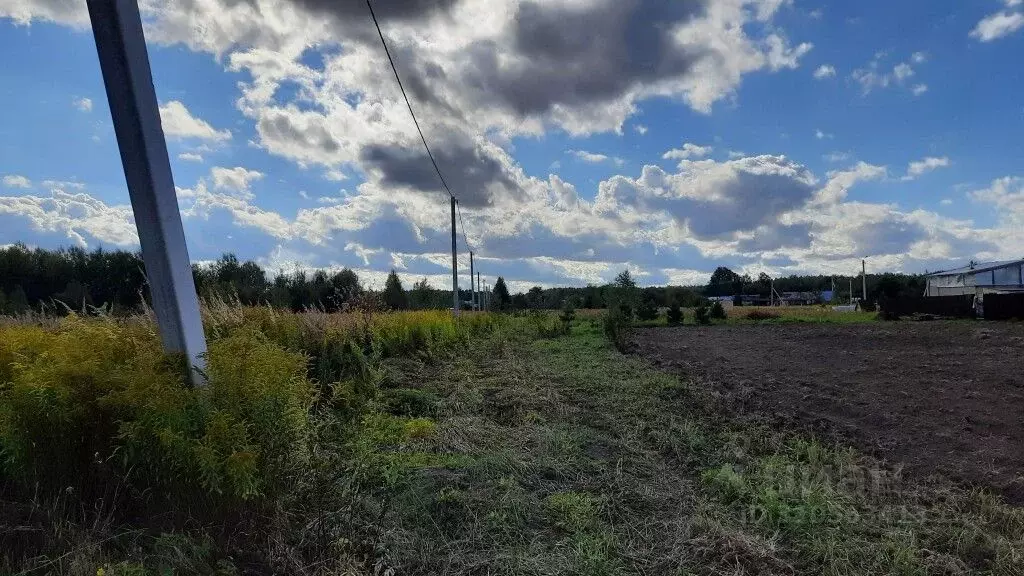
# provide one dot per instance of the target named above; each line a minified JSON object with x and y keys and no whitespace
{"x":582,"y":137}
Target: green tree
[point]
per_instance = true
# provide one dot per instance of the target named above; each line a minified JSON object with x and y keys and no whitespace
{"x":394,"y":295}
{"x":674,"y":316}
{"x":535,"y":297}
{"x":502,"y":299}
{"x":17,"y":301}
{"x":421,"y":295}
{"x":625,"y":294}
{"x":724,"y":282}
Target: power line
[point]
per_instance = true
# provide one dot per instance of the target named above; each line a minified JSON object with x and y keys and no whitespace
{"x":407,"y":103}
{"x":458,"y":207}
{"x":419,"y":130}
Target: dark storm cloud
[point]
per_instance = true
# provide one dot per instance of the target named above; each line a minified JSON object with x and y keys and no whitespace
{"x":385,"y":9}
{"x":575,"y":55}
{"x":473,"y":176}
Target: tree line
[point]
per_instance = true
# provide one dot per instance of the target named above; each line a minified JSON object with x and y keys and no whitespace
{"x":73,"y":278}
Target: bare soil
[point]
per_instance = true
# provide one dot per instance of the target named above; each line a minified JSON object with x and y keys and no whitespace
{"x":943,"y":398}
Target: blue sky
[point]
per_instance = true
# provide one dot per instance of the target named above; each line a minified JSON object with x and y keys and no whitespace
{"x":582,"y":137}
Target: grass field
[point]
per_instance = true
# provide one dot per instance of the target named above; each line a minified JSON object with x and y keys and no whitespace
{"x":436,"y":447}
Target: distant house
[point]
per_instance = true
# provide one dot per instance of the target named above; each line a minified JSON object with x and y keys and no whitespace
{"x":977,"y":278}
{"x":800,"y":298}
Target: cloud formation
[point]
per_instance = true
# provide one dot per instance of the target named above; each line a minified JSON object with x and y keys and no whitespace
{"x":178,"y":122}
{"x":920,"y":167}
{"x":16,"y":181}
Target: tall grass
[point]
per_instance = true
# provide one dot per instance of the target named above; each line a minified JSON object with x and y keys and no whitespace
{"x":91,"y":409}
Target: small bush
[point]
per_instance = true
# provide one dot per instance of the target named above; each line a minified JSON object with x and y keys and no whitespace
{"x":618,"y":327}
{"x":702,"y":314}
{"x":568,"y":315}
{"x":98,"y":403}
{"x":674,"y":316}
{"x":718,"y":311}
{"x":647,"y":311}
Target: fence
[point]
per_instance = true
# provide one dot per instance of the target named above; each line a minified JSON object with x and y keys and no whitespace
{"x":949,"y":306}
{"x":1004,"y":306}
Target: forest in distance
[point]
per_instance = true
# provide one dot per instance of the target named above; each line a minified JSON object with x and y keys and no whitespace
{"x":74,"y":278}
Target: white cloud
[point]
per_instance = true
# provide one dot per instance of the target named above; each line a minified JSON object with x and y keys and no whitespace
{"x":76,"y":215}
{"x":825,"y":71}
{"x":780,"y":55}
{"x":640,"y":129}
{"x":200,"y":202}
{"x":873,"y":76}
{"x":919,"y":89}
{"x":16,"y":181}
{"x":178,"y":122}
{"x":835,"y":157}
{"x":235,"y":179}
{"x":840,"y":181}
{"x":946,"y":202}
{"x":687,"y":151}
{"x":595,"y":158}
{"x":190,"y":157}
{"x":915,"y":169}
{"x":83,"y":104}
{"x":902,"y":71}
{"x":590,"y":157}
{"x":820,"y":135}
{"x":998,"y":25}
{"x":66,"y":12}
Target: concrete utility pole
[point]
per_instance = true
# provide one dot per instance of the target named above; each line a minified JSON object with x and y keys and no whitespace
{"x":864,"y":279}
{"x":455,"y":266}
{"x":479,"y":292}
{"x":472,"y":284}
{"x":124,"y":62}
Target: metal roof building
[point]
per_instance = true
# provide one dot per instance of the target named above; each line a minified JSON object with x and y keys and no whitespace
{"x":977,"y":278}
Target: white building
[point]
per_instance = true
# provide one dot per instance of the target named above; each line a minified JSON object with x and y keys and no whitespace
{"x":977,"y":278}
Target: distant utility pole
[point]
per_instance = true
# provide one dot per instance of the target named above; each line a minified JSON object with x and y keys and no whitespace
{"x":124,"y":62}
{"x":864,"y":279}
{"x":455,"y":265}
{"x":771,"y":295}
{"x":479,"y":292}
{"x":472,"y":284}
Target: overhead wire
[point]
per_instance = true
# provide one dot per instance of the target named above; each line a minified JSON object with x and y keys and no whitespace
{"x":416,"y":122}
{"x":407,"y":103}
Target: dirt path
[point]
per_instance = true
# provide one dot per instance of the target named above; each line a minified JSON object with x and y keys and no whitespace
{"x":941,"y":397}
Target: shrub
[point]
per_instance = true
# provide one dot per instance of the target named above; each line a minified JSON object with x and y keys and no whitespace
{"x":701,"y":314}
{"x":618,"y":327}
{"x":718,"y":311}
{"x":674,"y":316}
{"x":568,"y":315}
{"x":647,"y":310}
{"x":97,"y":403}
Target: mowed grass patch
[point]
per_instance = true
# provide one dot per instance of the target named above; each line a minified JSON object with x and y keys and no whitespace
{"x":587,"y":461}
